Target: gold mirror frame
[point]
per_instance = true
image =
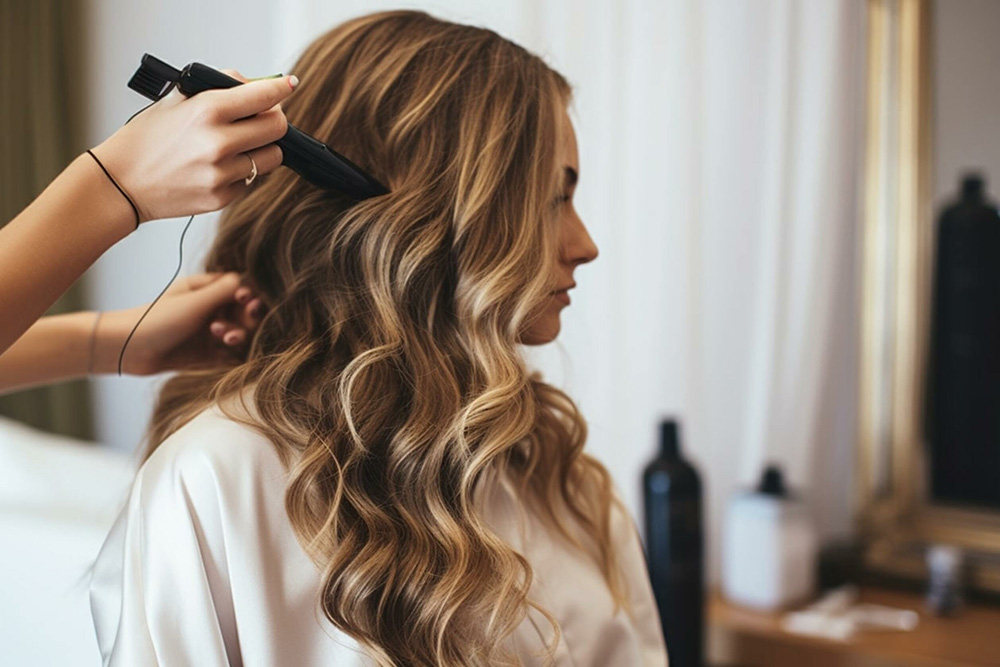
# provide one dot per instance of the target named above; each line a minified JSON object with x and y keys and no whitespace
{"x":894,"y":518}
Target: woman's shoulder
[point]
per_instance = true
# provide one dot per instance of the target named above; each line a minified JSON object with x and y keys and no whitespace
{"x":167,"y":568}
{"x":214,"y":450}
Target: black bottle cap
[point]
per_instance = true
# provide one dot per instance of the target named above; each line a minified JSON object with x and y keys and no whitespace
{"x":669,"y":439}
{"x":772,"y":483}
{"x":972,"y":187}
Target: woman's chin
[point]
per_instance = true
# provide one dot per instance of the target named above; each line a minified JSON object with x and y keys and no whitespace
{"x":544,"y":331}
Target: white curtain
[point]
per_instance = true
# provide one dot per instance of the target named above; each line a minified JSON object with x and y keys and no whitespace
{"x":719,"y":147}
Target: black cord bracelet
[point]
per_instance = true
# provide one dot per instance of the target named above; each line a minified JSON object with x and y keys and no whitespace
{"x":131,"y":203}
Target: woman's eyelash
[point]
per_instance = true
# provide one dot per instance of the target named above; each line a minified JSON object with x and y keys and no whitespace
{"x":563,"y":199}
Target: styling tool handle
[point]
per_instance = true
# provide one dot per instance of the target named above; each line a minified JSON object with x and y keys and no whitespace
{"x":309,"y":157}
{"x":196,"y":78}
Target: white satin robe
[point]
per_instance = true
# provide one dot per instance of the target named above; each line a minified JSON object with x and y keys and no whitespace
{"x":201,"y":567}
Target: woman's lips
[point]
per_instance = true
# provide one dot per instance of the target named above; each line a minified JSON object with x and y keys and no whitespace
{"x":562,"y":296}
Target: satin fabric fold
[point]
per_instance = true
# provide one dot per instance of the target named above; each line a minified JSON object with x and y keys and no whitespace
{"x":202,"y":567}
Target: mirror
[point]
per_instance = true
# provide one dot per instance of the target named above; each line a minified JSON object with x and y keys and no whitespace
{"x":929,"y":396}
{"x":962,"y":411}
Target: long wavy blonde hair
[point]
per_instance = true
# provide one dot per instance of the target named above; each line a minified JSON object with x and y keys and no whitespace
{"x":386,"y":368}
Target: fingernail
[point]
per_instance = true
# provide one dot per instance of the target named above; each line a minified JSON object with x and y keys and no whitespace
{"x":218,"y":328}
{"x":255,"y":309}
{"x":231,"y":337}
{"x":293,"y":81}
{"x":243,"y":295}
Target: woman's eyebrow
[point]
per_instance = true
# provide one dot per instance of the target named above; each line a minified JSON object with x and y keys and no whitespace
{"x":571,"y":176}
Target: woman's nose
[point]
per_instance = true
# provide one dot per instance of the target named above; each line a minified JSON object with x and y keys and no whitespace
{"x":580,"y":248}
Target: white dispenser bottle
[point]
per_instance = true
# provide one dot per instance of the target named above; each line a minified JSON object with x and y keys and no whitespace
{"x":769,"y":547}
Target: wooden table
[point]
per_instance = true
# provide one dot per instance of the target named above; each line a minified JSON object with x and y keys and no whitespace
{"x":738,"y":636}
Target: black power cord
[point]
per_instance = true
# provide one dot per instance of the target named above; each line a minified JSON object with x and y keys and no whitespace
{"x":180,"y":262}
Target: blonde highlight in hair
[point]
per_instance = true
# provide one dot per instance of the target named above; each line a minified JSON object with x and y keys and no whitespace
{"x":386,"y":369}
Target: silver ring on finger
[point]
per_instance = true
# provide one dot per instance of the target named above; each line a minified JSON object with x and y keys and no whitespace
{"x":253,"y":171}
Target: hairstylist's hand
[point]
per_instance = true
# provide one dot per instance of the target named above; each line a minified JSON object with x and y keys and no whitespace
{"x":183,"y":156}
{"x":202,"y":321}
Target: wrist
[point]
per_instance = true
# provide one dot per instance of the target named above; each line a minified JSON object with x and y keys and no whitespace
{"x":92,"y":343}
{"x":119,"y":216}
{"x":105,"y":344}
{"x":75,"y":335}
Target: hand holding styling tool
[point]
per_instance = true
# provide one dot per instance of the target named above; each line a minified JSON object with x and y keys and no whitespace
{"x":309,"y":157}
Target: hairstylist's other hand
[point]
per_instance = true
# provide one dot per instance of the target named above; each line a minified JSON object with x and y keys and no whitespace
{"x":183,"y":156}
{"x":202,"y":321}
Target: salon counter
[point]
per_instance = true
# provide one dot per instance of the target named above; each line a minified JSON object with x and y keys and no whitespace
{"x":738,"y":636}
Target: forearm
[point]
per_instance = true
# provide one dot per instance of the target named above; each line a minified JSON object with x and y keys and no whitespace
{"x":53,"y":349}
{"x":49,"y":245}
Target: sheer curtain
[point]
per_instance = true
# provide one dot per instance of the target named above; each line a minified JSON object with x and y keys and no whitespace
{"x":719,"y":146}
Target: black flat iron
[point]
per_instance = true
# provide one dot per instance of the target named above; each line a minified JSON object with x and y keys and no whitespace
{"x":309,"y":157}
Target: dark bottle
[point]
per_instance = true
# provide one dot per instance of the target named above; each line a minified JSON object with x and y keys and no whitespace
{"x":675,"y":548}
{"x":963,"y":374}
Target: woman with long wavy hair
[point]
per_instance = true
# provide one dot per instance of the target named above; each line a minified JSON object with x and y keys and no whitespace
{"x":383,"y":481}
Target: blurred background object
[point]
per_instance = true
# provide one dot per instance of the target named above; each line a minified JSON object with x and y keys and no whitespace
{"x":675,"y":546}
{"x":58,"y":499}
{"x":963,"y":368}
{"x":929,"y":419}
{"x":769,"y":546}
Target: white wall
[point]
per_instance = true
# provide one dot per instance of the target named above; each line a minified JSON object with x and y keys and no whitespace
{"x":966,"y":95}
